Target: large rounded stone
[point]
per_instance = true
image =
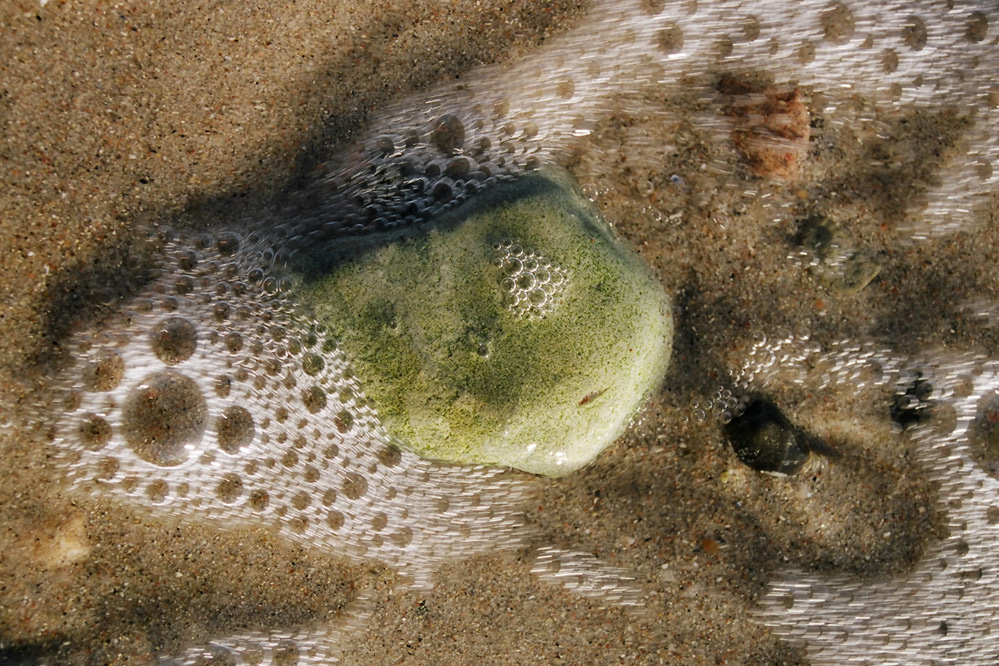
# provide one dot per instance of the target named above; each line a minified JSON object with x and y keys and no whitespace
{"x":515,"y":330}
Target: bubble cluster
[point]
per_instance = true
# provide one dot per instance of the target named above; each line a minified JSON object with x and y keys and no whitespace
{"x":944,"y":609}
{"x":429,"y":152}
{"x":721,"y":405}
{"x":532,"y":285}
{"x":585,"y":575}
{"x":220,"y":401}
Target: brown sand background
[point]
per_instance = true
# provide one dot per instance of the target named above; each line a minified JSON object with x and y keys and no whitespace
{"x":120,"y":118}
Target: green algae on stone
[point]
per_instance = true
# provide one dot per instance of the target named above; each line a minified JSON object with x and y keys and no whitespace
{"x":514,"y":330}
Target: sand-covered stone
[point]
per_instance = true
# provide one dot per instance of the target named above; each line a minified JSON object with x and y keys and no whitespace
{"x":516,"y":330}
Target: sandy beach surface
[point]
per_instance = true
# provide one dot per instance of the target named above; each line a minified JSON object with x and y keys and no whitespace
{"x":122,"y":119}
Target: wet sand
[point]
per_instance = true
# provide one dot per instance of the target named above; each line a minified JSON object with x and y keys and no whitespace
{"x":120,"y":121}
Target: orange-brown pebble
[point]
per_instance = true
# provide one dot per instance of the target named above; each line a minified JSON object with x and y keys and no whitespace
{"x":772,"y":125}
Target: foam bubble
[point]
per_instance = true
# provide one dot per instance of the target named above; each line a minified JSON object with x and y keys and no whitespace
{"x":163,"y":417}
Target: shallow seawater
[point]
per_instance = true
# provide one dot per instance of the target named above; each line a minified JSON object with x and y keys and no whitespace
{"x":88,"y":578}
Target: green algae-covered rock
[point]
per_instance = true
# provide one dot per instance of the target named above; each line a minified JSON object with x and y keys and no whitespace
{"x":515,"y":330}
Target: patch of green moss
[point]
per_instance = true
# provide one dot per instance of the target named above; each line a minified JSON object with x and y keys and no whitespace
{"x":456,"y":373}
